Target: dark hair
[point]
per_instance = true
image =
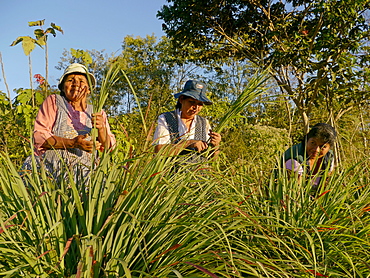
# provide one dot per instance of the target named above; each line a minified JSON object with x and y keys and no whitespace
{"x":178,"y":104}
{"x":322,"y":131}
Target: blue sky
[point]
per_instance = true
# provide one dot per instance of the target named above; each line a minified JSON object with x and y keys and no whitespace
{"x":87,"y":24}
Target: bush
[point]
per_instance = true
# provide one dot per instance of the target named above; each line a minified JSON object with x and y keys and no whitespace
{"x":255,"y":146}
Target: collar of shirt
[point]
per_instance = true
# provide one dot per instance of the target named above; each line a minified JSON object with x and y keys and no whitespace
{"x":183,"y":130}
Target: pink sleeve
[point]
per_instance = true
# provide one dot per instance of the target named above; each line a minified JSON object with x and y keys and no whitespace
{"x":110,"y":134}
{"x":44,"y":122}
{"x":294,"y":165}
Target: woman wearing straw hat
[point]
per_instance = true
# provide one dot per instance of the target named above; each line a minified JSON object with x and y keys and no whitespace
{"x":183,"y":129}
{"x":64,"y":122}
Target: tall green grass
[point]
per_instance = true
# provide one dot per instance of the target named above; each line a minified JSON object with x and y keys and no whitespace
{"x":151,"y":216}
{"x":148,"y":220}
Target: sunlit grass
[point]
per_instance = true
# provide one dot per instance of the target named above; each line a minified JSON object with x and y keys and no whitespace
{"x":150,"y":216}
{"x":146,"y":220}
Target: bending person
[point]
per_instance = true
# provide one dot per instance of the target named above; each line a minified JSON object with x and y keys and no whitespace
{"x":313,"y":156}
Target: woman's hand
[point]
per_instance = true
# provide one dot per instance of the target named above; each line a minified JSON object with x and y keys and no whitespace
{"x":82,"y":92}
{"x":198,"y":145}
{"x":215,"y":138}
{"x":98,"y":120}
{"x":79,"y":142}
{"x":86,"y":145}
{"x":75,"y":94}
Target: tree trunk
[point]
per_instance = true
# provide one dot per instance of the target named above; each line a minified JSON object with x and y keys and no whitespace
{"x":46,"y":68}
{"x":31,"y":83}
{"x":336,"y":148}
{"x":6,"y":84}
{"x":363,"y":128}
{"x":306,"y":122}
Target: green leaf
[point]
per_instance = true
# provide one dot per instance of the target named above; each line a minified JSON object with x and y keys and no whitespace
{"x":85,"y":56}
{"x":51,"y":31}
{"x":41,"y":41}
{"x":28,"y":45}
{"x":39,"y":97}
{"x":18,"y":40}
{"x":39,"y":33}
{"x":36,"y":23}
{"x":24,"y":97}
{"x":56,"y":27}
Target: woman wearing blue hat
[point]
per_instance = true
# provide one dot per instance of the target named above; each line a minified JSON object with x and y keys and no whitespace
{"x":63,"y":125}
{"x":183,"y":128}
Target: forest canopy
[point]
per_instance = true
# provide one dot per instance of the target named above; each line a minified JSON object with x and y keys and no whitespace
{"x":317,"y":51}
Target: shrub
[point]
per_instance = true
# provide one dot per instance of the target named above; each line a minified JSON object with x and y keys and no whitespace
{"x":255,"y":146}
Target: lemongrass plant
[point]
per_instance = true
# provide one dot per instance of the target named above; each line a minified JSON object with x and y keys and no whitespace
{"x":145,"y":129}
{"x":151,"y":216}
{"x":111,"y":77}
{"x":149,"y":220}
{"x":255,"y":87}
{"x":137,"y":222}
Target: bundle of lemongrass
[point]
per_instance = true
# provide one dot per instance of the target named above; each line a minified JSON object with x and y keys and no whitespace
{"x":110,"y":78}
{"x":256,"y":86}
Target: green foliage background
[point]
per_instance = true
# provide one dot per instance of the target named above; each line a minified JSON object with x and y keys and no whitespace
{"x":229,"y":217}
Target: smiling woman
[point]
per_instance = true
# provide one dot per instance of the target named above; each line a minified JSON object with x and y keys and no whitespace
{"x":63,"y":125}
{"x":313,"y":156}
{"x":183,"y":129}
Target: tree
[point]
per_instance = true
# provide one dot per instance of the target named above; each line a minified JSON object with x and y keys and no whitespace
{"x":96,"y":61}
{"x":143,"y":60}
{"x":311,"y":47}
{"x":29,"y":44}
{"x":152,"y":73}
{"x":42,"y":37}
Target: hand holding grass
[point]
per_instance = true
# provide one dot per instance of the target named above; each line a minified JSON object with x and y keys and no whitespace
{"x":215,"y":138}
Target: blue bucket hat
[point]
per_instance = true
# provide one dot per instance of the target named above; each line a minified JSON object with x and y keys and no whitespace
{"x":196,"y":90}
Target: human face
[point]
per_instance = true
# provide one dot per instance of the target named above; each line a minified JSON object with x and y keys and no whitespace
{"x":316,"y":148}
{"x":76,"y":87}
{"x":190,"y":107}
